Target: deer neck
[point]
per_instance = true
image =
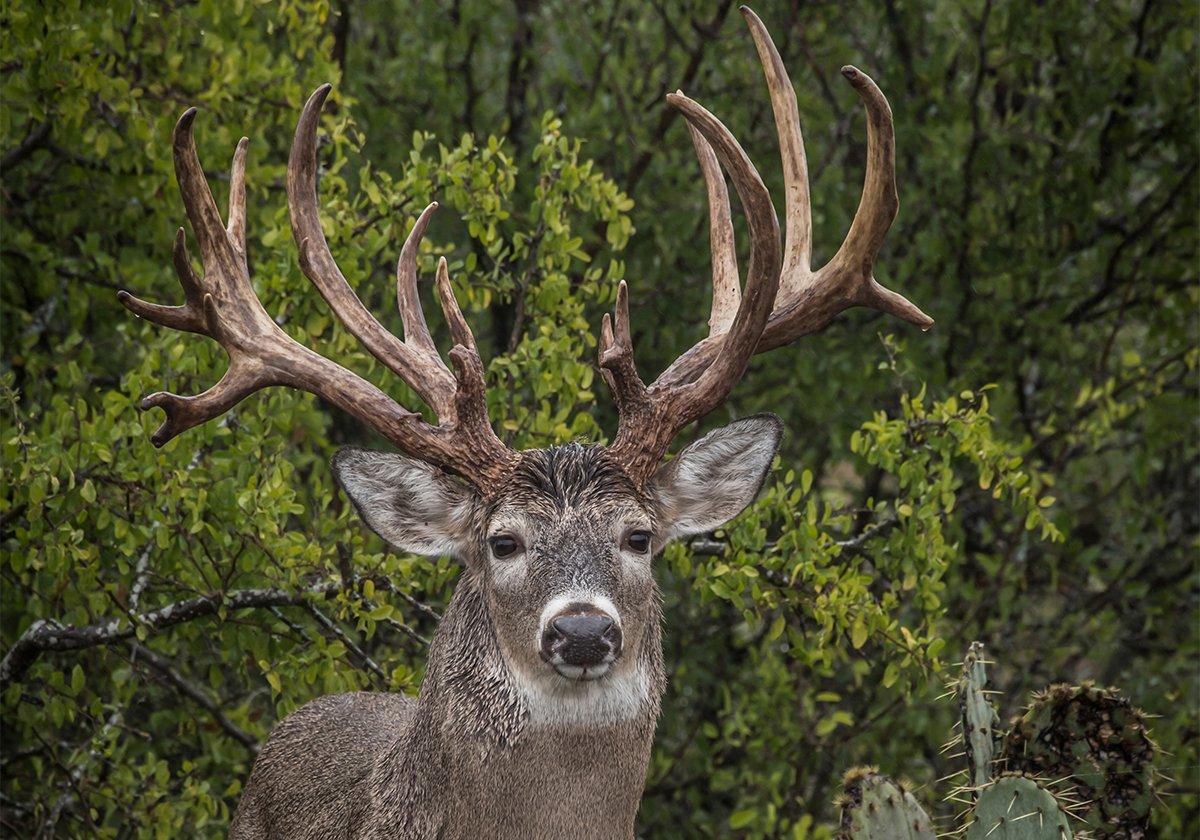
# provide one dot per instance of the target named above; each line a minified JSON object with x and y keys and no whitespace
{"x":492,"y":752}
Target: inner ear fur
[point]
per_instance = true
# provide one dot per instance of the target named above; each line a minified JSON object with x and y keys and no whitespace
{"x":412,"y":505}
{"x":714,"y":479}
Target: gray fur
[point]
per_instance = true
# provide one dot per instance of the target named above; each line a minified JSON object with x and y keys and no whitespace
{"x":498,"y":744}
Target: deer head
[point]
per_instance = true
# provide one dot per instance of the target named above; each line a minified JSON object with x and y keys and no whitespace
{"x":559,"y":540}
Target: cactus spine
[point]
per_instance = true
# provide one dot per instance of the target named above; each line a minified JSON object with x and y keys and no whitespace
{"x":1098,"y":739}
{"x":1016,"y":807}
{"x":1091,"y":742}
{"x":876,"y":808}
{"x":979,"y":718}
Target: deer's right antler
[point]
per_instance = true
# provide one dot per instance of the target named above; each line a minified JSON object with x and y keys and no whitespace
{"x":783,"y":298}
{"x":223,"y":305}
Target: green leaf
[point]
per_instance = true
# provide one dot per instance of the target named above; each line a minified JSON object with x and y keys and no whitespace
{"x":742,"y":818}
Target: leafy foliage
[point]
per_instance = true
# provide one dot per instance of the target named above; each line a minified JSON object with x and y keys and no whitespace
{"x":1024,"y":474}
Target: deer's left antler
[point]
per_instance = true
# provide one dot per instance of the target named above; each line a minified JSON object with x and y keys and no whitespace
{"x":783,"y":298}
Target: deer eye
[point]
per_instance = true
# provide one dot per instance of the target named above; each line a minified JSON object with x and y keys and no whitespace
{"x":638,"y":541}
{"x":504,"y":545}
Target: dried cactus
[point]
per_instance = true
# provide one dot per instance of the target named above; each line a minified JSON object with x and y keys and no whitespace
{"x":876,"y":808}
{"x":1098,"y":739}
{"x":1016,"y":807}
{"x":979,"y":718}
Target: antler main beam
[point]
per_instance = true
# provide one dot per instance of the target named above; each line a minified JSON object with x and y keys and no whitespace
{"x":223,"y":305}
{"x":652,"y":416}
{"x":783,"y":299}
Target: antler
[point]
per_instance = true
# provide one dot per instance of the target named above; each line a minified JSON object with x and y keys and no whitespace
{"x":780,"y":302}
{"x":223,"y":305}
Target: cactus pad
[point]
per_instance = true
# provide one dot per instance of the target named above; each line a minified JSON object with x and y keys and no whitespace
{"x":1016,"y":807}
{"x":979,"y":718}
{"x":876,"y":808}
{"x":1097,"y":738}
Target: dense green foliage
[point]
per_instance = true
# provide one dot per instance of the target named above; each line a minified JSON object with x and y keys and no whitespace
{"x":1024,"y":474}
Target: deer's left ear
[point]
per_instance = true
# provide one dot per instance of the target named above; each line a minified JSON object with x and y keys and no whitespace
{"x":717,"y":477}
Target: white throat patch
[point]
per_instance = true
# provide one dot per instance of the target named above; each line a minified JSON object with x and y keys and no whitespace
{"x":552,"y":700}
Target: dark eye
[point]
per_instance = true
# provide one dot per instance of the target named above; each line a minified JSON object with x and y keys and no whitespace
{"x":638,"y":541}
{"x":504,"y":545}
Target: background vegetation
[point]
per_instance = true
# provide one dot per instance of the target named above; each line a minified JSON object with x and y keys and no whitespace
{"x":1024,"y":474}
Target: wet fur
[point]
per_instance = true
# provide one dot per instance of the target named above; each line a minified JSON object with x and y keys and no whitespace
{"x":496,"y":744}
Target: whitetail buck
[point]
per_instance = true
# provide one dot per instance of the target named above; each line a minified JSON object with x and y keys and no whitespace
{"x":538,"y":708}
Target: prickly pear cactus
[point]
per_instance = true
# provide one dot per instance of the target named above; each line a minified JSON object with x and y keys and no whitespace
{"x":876,"y":808}
{"x":1097,"y":738}
{"x":1015,"y":807}
{"x":979,"y":718}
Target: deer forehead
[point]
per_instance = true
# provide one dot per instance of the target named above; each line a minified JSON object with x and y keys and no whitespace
{"x":573,"y":489}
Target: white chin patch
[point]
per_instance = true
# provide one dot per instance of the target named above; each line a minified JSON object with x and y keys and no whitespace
{"x":564,"y":697}
{"x":574,"y":672}
{"x":560,"y":694}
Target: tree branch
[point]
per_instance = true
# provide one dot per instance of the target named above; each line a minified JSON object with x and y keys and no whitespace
{"x":45,"y":635}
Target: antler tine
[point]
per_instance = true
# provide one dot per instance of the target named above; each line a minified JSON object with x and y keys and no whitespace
{"x":727,"y":285}
{"x":797,"y":250}
{"x":650,"y":417}
{"x":460,"y":330}
{"x":183,"y":413}
{"x":188,"y":317}
{"x":762,"y":276}
{"x":876,"y":209}
{"x":236,"y":228}
{"x":408,"y":301}
{"x":198,"y":203}
{"x":423,"y":371}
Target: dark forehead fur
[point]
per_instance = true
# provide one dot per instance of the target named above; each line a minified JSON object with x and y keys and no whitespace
{"x":571,"y":475}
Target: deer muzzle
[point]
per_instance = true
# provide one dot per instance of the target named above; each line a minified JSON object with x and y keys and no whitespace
{"x":581,"y":639}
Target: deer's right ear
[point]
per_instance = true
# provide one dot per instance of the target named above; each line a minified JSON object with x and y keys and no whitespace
{"x":409,"y":503}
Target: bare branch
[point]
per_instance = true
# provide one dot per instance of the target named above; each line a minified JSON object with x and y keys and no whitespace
{"x":42,"y":636}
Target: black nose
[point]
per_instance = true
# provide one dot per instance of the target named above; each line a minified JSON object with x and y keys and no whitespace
{"x":581,"y":637}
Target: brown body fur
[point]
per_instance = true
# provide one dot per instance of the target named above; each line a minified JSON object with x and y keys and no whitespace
{"x":472,"y":756}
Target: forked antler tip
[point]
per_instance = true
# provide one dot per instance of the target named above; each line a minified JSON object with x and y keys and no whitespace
{"x":468,"y":373}
{"x":166,"y":431}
